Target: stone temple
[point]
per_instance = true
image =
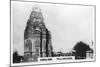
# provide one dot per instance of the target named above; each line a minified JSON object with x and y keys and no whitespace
{"x":37,"y":38}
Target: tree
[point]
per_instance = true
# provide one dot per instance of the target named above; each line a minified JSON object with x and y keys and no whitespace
{"x":16,"y":57}
{"x":80,"y":50}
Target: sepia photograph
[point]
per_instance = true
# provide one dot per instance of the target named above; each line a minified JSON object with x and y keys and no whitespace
{"x":51,"y":33}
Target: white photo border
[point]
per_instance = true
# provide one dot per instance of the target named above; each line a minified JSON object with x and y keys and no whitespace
{"x":49,"y":62}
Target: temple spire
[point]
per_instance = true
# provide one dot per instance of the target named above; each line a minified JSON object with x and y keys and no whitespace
{"x":36,"y":15}
{"x":36,"y":9}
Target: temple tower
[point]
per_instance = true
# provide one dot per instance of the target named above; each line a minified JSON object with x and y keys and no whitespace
{"x":37,"y":38}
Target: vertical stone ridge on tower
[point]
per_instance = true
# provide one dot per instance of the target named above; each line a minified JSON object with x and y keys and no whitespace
{"x":37,"y":38}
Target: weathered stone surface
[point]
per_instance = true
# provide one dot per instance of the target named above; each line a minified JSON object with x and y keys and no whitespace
{"x":37,"y":38}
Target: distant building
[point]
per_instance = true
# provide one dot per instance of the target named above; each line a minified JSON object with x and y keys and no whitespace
{"x":37,"y":38}
{"x":89,"y":54}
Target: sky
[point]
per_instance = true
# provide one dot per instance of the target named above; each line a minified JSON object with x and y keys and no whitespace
{"x":68,"y":24}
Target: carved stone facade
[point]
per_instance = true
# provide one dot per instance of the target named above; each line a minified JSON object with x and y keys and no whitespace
{"x":37,"y":38}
